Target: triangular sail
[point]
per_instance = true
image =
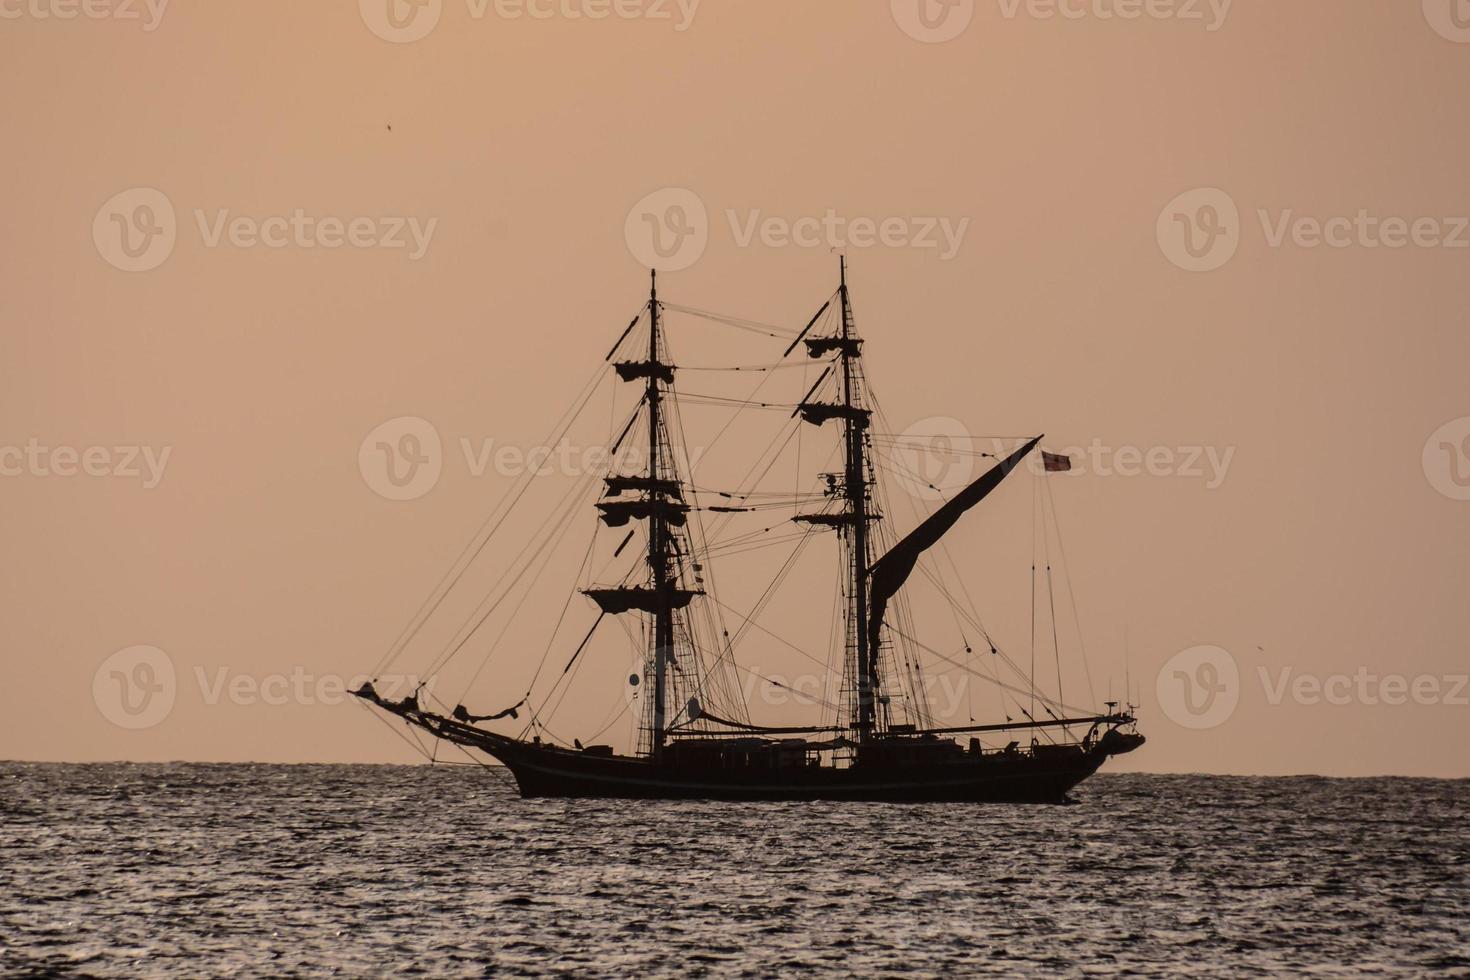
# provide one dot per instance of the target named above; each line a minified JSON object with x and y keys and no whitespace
{"x":888,"y":573}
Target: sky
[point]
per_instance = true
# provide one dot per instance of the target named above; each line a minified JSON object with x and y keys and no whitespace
{"x":1216,"y":252}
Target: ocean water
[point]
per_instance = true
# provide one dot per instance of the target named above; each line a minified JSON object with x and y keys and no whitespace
{"x":203,"y":870}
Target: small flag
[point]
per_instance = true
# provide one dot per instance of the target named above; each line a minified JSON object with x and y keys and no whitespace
{"x":1055,"y":463}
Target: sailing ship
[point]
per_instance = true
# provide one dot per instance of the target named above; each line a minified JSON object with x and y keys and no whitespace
{"x":695,"y":736}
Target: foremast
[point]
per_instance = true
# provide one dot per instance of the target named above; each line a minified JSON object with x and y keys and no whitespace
{"x":658,"y":539}
{"x":663,"y":507}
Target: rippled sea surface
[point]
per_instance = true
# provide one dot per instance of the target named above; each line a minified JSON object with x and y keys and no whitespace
{"x":202,"y":870}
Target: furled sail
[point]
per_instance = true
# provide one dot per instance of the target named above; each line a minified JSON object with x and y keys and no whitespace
{"x":637,"y":597}
{"x":822,"y":346}
{"x":620,"y":484}
{"x":818,"y":412}
{"x":639,"y":370}
{"x":889,"y":573}
{"x":616,"y":513}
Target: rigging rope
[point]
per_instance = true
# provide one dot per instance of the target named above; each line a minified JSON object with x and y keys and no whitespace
{"x":754,"y":326}
{"x":452,"y":577}
{"x":1072,"y":594}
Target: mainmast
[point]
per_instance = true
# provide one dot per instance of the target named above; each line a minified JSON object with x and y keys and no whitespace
{"x":872,"y":582}
{"x":853,"y":519}
{"x":658,"y":545}
{"x":855,"y":483}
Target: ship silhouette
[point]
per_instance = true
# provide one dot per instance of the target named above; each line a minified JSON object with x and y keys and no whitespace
{"x":696,"y":739}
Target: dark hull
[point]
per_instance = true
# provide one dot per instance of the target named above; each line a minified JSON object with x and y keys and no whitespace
{"x":544,"y":771}
{"x":919,"y":768}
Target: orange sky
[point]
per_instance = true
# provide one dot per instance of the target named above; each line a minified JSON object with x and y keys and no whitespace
{"x":321,"y":273}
